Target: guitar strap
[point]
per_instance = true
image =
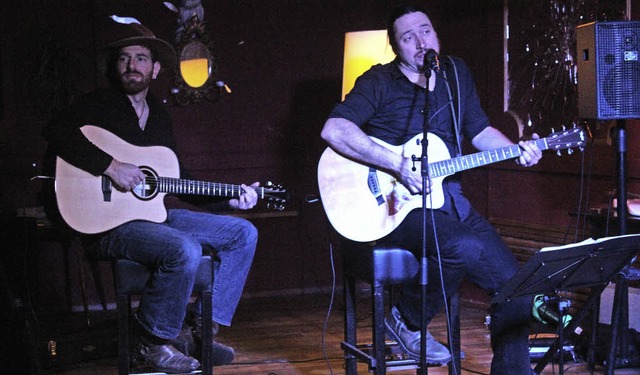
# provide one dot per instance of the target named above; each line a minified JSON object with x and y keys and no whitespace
{"x":453,"y":88}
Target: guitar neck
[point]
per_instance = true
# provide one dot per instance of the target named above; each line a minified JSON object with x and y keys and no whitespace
{"x":192,"y":187}
{"x":478,"y":159}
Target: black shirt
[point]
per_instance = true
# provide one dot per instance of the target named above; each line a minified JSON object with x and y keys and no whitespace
{"x":111,"y":110}
{"x":387,"y":106}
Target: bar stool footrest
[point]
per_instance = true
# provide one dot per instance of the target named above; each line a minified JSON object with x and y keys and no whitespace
{"x":395,"y":358}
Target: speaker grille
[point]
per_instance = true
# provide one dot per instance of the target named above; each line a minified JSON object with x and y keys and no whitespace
{"x":618,"y":65}
{"x":609,"y":70}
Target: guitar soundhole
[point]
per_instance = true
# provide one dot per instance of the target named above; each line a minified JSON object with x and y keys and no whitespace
{"x":148,"y":189}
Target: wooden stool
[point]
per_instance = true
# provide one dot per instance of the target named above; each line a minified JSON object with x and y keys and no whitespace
{"x":382,"y":267}
{"x":131,"y":278}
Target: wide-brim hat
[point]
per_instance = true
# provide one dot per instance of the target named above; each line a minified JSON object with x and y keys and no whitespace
{"x":132,"y":34}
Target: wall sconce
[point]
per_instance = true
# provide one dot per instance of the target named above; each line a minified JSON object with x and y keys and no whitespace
{"x":196,"y":66}
{"x":362,"y":50}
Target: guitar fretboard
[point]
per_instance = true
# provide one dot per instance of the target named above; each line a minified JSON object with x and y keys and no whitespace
{"x":478,"y":159}
{"x":182,"y":186}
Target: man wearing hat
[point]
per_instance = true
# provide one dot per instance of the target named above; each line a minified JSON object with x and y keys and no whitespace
{"x":174,"y":248}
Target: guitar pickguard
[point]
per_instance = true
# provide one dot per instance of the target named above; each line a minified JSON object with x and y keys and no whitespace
{"x":397,"y":199}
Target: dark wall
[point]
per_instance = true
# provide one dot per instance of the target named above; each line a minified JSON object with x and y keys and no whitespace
{"x":283,"y":62}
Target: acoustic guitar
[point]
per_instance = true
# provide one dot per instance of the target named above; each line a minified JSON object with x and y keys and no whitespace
{"x":91,"y":204}
{"x":365,"y":204}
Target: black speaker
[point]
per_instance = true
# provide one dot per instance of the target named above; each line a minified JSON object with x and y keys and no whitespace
{"x":608,"y":70}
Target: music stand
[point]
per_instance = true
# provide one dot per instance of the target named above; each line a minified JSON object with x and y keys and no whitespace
{"x":591,"y":263}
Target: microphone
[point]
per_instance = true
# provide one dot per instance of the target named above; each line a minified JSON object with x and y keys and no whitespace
{"x":431,"y":60}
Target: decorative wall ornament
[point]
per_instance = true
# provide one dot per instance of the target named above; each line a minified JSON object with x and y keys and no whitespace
{"x":196,"y":67}
{"x":542,"y":58}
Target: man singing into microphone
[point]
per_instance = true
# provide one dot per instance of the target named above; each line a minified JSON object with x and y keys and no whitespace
{"x":388,"y":102}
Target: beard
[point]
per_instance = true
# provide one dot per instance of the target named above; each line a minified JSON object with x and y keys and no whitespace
{"x":132,"y":84}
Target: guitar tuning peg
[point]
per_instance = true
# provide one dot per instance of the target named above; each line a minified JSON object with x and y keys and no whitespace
{"x":553,"y":130}
{"x":570,"y":151}
{"x":558,"y":153}
{"x":277,"y":207}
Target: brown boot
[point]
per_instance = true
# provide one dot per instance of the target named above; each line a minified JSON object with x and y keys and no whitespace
{"x":163,"y":356}
{"x":185,"y":342}
{"x":220,"y":354}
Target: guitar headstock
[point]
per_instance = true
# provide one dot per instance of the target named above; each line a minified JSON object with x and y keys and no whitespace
{"x":275,"y":196}
{"x":567,"y":139}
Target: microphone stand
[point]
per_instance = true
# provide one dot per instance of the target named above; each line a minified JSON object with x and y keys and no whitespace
{"x":424,"y":169}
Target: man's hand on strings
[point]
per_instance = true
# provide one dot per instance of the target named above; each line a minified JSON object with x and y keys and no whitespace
{"x":531,"y":154}
{"x":248,"y":197}
{"x":124,"y":176}
{"x":412,"y":179}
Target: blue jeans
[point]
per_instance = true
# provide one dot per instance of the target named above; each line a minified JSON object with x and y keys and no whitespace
{"x":174,"y":248}
{"x":473,"y":249}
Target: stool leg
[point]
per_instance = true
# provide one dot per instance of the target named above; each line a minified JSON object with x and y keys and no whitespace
{"x":350,"y":328}
{"x":207,"y":365}
{"x":593,"y":339}
{"x":377,"y":300}
{"x":66,"y":247}
{"x":83,"y":284}
{"x":97,"y":280}
{"x":454,"y":339}
{"x":124,"y":334}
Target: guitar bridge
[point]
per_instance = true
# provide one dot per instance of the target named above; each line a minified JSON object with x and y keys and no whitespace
{"x":107,"y":187}
{"x":374,"y":186}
